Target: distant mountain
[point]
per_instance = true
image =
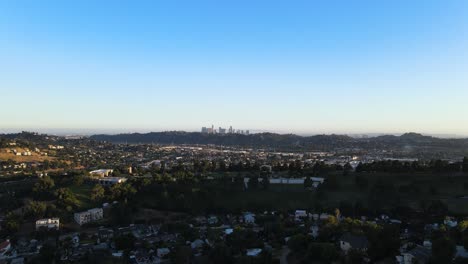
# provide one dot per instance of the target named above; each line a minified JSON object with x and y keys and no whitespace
{"x":409,"y":141}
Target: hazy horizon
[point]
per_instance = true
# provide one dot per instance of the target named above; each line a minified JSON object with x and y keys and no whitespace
{"x":90,"y":132}
{"x":299,"y":67}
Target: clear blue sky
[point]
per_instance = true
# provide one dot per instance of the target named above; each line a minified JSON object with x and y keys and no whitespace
{"x":289,"y":66}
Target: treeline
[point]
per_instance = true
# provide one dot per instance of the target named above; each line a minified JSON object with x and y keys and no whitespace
{"x":396,"y":166}
{"x":290,"y":141}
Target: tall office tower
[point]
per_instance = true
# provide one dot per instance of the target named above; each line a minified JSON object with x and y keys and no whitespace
{"x":204,"y":130}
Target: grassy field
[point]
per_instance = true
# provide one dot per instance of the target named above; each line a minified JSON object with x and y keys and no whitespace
{"x":83,"y":194}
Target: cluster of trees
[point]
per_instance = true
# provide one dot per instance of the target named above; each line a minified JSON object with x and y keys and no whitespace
{"x":396,"y":166}
{"x":3,"y":142}
{"x":384,"y":241}
{"x":444,"y":242}
{"x":306,"y":250}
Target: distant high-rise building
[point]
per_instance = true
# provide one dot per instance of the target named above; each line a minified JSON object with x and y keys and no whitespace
{"x":247,"y":132}
{"x":221,"y":130}
{"x":204,"y":130}
{"x":230,"y":130}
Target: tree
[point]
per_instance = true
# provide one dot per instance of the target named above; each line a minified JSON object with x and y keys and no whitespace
{"x":298,"y":243}
{"x":265,"y":182}
{"x":253,"y":183}
{"x":437,"y":207}
{"x":465,"y":165}
{"x":36,"y":209}
{"x":361,"y":182}
{"x":347,"y":169}
{"x":331,"y":182}
{"x":337,"y":214}
{"x":121,"y":214}
{"x":221,"y":254}
{"x":66,"y":199}
{"x":124,"y":242}
{"x":239,"y":183}
{"x":360,"y":167}
{"x":183,"y":255}
{"x":325,"y":252}
{"x":78,"y":180}
{"x":465,"y":239}
{"x":355,"y":256}
{"x":332,"y":221}
{"x":47,"y":253}
{"x":384,"y":242}
{"x":97,"y":193}
{"x":12,"y":222}
{"x":307,"y":182}
{"x":443,"y":250}
{"x":44,"y":185}
{"x":122,"y":190}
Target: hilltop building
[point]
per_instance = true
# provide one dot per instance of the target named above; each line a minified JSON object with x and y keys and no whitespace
{"x":89,"y":216}
{"x":101,"y":172}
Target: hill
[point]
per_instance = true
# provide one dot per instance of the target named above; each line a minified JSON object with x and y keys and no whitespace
{"x":407,"y":142}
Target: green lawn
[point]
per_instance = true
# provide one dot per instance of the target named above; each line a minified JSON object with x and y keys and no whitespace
{"x":83,"y":194}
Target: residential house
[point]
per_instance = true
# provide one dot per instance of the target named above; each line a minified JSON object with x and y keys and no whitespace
{"x":162,"y":252}
{"x":101,"y":173}
{"x":249,"y":218}
{"x":349,"y":241}
{"x":197,"y":244}
{"x":212,"y":220}
{"x":48,"y":223}
{"x":418,"y":255}
{"x":105,"y":234}
{"x":5,"y":246}
{"x":253,"y":252}
{"x":109,"y":181}
{"x":300,"y":215}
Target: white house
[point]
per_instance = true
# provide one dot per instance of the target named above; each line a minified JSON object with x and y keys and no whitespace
{"x":253,"y":252}
{"x":197,"y":244}
{"x":89,"y":216}
{"x":228,"y":231}
{"x":450,"y":222}
{"x":48,"y":223}
{"x":162,"y":252}
{"x":300,"y":215}
{"x":109,"y":181}
{"x":101,"y":172}
{"x":249,"y":218}
{"x":314,"y":231}
{"x":316,"y":181}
